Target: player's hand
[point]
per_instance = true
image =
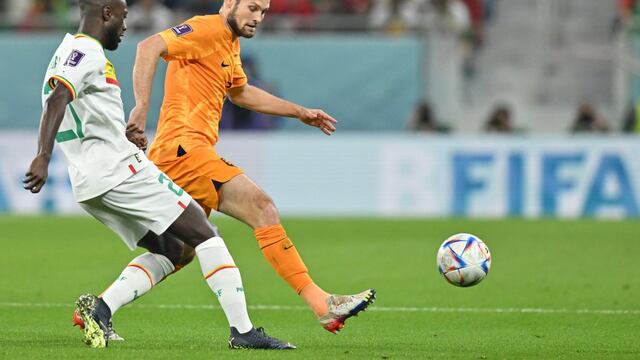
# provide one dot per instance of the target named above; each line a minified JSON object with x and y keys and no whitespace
{"x":36,"y":176}
{"x":137,"y":137}
{"x":319,"y":119}
{"x":135,"y":128}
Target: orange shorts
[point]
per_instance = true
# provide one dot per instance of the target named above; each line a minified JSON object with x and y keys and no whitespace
{"x":200,"y":172}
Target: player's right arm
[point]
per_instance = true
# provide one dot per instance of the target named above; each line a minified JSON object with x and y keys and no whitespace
{"x":188,"y":41}
{"x":68,"y":80}
{"x":144,"y":69}
{"x":52,"y":115}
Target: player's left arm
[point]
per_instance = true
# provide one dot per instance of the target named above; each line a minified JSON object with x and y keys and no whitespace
{"x":52,"y":116}
{"x":256,"y":99}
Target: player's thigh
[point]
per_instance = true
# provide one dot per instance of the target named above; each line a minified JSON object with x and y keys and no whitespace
{"x":244,"y":200}
{"x":129,"y":230}
{"x":201,"y":172}
{"x":149,"y":198}
{"x":192,"y":226}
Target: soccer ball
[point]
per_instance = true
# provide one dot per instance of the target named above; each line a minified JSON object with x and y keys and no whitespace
{"x":464,"y":260}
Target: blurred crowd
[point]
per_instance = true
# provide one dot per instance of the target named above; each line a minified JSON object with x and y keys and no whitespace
{"x":500,"y":120}
{"x":466,"y":17}
{"x":628,"y":12}
{"x":145,"y":16}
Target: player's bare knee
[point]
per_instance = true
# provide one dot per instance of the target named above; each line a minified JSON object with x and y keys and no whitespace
{"x":205,"y":231}
{"x":193,"y":227}
{"x":266,"y":210}
{"x":165,"y":245}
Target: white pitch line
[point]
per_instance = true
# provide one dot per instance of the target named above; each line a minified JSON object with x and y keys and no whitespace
{"x":373,"y":308}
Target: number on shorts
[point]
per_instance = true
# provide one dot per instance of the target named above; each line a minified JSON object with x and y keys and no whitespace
{"x":173,"y":187}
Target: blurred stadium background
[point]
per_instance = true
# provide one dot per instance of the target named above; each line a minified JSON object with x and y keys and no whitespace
{"x":487,"y":108}
{"x":448,"y":109}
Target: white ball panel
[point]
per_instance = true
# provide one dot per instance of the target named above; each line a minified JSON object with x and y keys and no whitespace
{"x":471,"y":275}
{"x":453,"y":277}
{"x":458,"y":246}
{"x":473,"y":255}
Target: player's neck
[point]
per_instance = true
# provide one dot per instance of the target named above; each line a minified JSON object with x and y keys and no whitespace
{"x":87,"y":28}
{"x":225,"y":21}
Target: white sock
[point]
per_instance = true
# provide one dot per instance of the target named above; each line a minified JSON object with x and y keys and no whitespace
{"x":223,"y":277}
{"x":137,"y":279}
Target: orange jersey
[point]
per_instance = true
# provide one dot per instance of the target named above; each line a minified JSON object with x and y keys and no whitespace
{"x":203,"y":63}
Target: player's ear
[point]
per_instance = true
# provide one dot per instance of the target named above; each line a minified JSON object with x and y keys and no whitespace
{"x":228,"y":4}
{"x":107,"y":13}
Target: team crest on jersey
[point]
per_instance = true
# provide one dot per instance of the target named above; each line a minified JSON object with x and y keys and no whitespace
{"x":54,"y":62}
{"x":110,"y":74}
{"x":74,"y":58}
{"x":183,"y":29}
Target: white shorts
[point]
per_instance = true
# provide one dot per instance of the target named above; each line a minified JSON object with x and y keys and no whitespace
{"x":148,"y":200}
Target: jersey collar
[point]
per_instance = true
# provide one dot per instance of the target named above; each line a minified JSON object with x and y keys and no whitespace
{"x":82,"y":35}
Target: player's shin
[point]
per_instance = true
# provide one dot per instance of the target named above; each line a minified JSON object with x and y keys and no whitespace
{"x":223,"y":277}
{"x":140,"y":276}
{"x":282,"y":255}
{"x":280,"y":252}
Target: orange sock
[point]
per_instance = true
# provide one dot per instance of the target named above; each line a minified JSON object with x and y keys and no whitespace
{"x":283,"y":256}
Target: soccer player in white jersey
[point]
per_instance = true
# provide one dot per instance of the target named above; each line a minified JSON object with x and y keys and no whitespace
{"x":115,"y":183}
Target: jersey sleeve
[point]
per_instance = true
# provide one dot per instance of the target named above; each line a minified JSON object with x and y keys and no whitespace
{"x":239,"y":77}
{"x":79,"y":66}
{"x":189,"y":41}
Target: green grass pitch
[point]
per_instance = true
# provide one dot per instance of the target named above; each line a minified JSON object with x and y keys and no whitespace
{"x":556,"y":290}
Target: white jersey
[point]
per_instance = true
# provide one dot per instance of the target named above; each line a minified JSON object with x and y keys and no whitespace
{"x":92,"y":133}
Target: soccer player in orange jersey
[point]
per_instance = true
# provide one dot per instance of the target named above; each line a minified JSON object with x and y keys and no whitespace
{"x":204,"y":67}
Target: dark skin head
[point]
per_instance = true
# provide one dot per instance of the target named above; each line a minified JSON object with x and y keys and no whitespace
{"x":104,"y":20}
